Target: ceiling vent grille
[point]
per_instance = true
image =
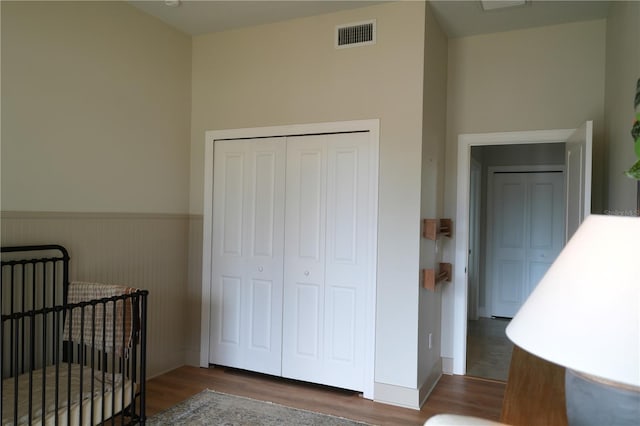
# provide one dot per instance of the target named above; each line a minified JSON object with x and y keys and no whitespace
{"x":357,"y":34}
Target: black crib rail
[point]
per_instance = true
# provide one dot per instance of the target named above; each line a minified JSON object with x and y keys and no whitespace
{"x":50,"y":272}
{"x":34,"y":351}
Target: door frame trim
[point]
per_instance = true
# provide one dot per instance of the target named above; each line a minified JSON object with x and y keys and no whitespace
{"x":542,"y":168}
{"x":476,"y":190}
{"x":373,"y":127}
{"x":458,"y":296}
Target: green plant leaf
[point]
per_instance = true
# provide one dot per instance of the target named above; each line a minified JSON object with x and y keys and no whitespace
{"x":634,"y":171}
{"x":636,"y":146}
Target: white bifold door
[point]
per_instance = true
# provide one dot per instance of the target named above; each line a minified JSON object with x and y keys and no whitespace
{"x":527,"y":234}
{"x":326,"y":259}
{"x":291,"y":258}
{"x":247,"y":254}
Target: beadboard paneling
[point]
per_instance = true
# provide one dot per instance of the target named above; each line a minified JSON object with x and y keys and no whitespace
{"x":148,"y":251}
{"x":194,"y":294}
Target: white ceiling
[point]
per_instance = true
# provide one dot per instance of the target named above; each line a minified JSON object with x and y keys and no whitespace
{"x":199,"y":17}
{"x":458,"y":18}
{"x":464,"y":18}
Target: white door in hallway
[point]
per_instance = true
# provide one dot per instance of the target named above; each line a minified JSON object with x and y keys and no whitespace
{"x":527,"y":231}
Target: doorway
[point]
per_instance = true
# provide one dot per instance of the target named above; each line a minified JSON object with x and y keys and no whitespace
{"x":576,"y":196}
{"x":516,"y":229}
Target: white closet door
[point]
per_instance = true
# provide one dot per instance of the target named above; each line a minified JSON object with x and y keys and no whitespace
{"x":528,"y":234}
{"x":248,"y":234}
{"x":326,"y":259}
{"x":304,"y":274}
{"x":509,"y":245}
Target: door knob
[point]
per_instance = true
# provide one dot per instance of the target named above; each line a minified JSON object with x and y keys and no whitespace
{"x":306,"y":273}
{"x":260,"y":268}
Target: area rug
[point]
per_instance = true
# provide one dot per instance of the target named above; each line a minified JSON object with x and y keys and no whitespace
{"x":215,"y":408}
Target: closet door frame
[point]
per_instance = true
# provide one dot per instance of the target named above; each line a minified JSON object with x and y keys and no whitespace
{"x":373,"y":128}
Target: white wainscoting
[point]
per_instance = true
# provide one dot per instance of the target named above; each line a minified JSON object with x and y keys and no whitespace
{"x":148,"y":251}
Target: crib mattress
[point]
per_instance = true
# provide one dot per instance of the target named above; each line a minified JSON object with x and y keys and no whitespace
{"x":113,"y":397}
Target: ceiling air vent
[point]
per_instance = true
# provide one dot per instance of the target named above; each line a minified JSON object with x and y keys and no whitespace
{"x":358,"y":34}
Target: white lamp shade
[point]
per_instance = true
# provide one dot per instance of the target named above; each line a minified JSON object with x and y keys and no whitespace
{"x":585,"y":312}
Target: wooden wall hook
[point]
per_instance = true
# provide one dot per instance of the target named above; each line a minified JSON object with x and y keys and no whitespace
{"x":433,"y":228}
{"x":430,"y":278}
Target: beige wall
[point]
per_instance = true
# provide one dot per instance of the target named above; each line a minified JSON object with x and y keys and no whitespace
{"x":95,"y":150}
{"x":97,"y":106}
{"x":99,"y":99}
{"x":432,"y":193}
{"x":622,"y":73}
{"x":540,"y":78}
{"x":95,"y":109}
{"x":290,"y":73}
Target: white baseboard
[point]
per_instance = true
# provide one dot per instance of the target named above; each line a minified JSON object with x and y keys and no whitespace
{"x":431,"y":382}
{"x":407,"y":397}
{"x":447,"y":366}
{"x":397,"y":395}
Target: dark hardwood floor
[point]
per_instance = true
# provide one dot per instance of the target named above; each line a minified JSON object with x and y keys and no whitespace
{"x":453,"y":394}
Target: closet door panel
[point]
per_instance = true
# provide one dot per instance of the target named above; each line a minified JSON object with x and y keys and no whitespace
{"x":261,"y":322}
{"x":347,"y":263}
{"x":248,"y":220}
{"x":307,"y":317}
{"x":264,"y":197}
{"x":342,"y":205}
{"x":303,"y":317}
{"x":341,"y":321}
{"x":231,"y":288}
{"x":265,"y":242}
{"x":227,"y":249}
{"x":308,"y":203}
{"x":231,"y":185}
{"x":327,"y":197}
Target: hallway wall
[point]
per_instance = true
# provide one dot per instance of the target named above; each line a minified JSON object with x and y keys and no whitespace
{"x":539,"y":78}
{"x":622,"y":74}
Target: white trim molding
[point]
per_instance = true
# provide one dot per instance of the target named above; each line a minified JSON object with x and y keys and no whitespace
{"x":465,"y":142}
{"x":373,"y":127}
